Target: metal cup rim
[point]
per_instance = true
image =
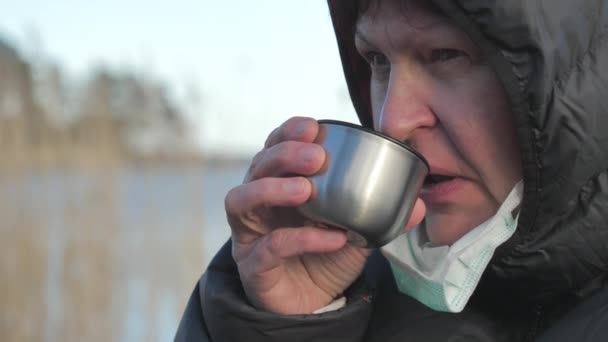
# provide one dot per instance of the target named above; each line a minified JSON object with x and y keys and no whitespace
{"x":379,"y":134}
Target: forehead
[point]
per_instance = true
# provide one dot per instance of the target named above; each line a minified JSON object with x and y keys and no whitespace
{"x":417,"y":13}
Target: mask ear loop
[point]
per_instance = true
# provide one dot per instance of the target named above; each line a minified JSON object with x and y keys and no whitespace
{"x":515,"y":211}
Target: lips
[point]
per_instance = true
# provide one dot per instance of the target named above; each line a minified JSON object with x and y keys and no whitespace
{"x":438,"y":175}
{"x":436,"y":179}
{"x":441,"y":186}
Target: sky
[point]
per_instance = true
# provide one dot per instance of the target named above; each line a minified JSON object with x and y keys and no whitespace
{"x":253,"y":64}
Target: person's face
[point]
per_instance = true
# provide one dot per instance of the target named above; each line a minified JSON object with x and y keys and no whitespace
{"x":431,"y":87}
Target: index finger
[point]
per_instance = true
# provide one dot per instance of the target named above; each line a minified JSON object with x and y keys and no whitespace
{"x":297,"y":128}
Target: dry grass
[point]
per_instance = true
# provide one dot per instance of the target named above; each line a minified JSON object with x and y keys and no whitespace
{"x":80,"y":259}
{"x":72,"y":267}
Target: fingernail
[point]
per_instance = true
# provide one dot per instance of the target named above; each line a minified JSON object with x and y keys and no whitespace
{"x":301,"y":128}
{"x":309,"y":153}
{"x":334,"y":235}
{"x":295,"y":186}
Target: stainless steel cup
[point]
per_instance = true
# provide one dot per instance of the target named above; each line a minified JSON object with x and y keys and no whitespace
{"x":368,"y":185}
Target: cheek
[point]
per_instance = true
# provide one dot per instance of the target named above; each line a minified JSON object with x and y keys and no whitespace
{"x":478,"y":107}
{"x":497,"y":123}
{"x":378,"y":95}
{"x":481,"y":128}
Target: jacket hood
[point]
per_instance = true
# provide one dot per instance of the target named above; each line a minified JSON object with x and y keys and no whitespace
{"x":552,"y":58}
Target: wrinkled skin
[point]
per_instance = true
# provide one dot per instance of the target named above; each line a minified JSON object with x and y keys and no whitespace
{"x":430,"y":86}
{"x":286,"y":264}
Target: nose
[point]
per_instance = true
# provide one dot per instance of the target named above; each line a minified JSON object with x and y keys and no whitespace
{"x":406,"y":106}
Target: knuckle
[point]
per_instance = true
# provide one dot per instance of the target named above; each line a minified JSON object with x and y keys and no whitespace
{"x":286,"y":130}
{"x":298,"y":119}
{"x":279,"y":134}
{"x":289,"y":127}
{"x":231,"y":201}
{"x":294,"y":120}
{"x":257,"y":158}
{"x":271,"y":137}
{"x":284,"y":153}
{"x":247,"y":197}
{"x":268,"y":187}
{"x":274,"y":161}
{"x":256,"y":162}
{"x":265,"y":187}
{"x":312,"y":155}
{"x":275,"y":242}
{"x":302,"y":237}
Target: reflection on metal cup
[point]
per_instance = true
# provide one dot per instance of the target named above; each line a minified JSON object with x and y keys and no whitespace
{"x":368,"y":184}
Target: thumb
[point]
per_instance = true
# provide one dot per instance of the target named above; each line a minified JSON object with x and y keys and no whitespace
{"x":417,"y":215}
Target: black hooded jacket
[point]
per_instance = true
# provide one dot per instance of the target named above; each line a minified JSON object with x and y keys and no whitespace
{"x":549,"y":281}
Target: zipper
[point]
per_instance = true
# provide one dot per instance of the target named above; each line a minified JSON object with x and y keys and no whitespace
{"x":536,"y":323}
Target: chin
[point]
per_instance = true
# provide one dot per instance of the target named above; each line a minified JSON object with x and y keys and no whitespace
{"x":443,"y":238}
{"x":445,"y":230}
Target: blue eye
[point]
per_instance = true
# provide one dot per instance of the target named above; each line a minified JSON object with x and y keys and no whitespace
{"x":377,"y":60}
{"x":442,"y":55}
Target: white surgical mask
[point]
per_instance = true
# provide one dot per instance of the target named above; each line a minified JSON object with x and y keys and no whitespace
{"x":444,"y":277}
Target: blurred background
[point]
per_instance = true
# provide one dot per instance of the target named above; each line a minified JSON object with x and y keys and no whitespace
{"x":122,"y":126}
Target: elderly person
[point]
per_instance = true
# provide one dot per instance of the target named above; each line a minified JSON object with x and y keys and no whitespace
{"x":509,"y":238}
